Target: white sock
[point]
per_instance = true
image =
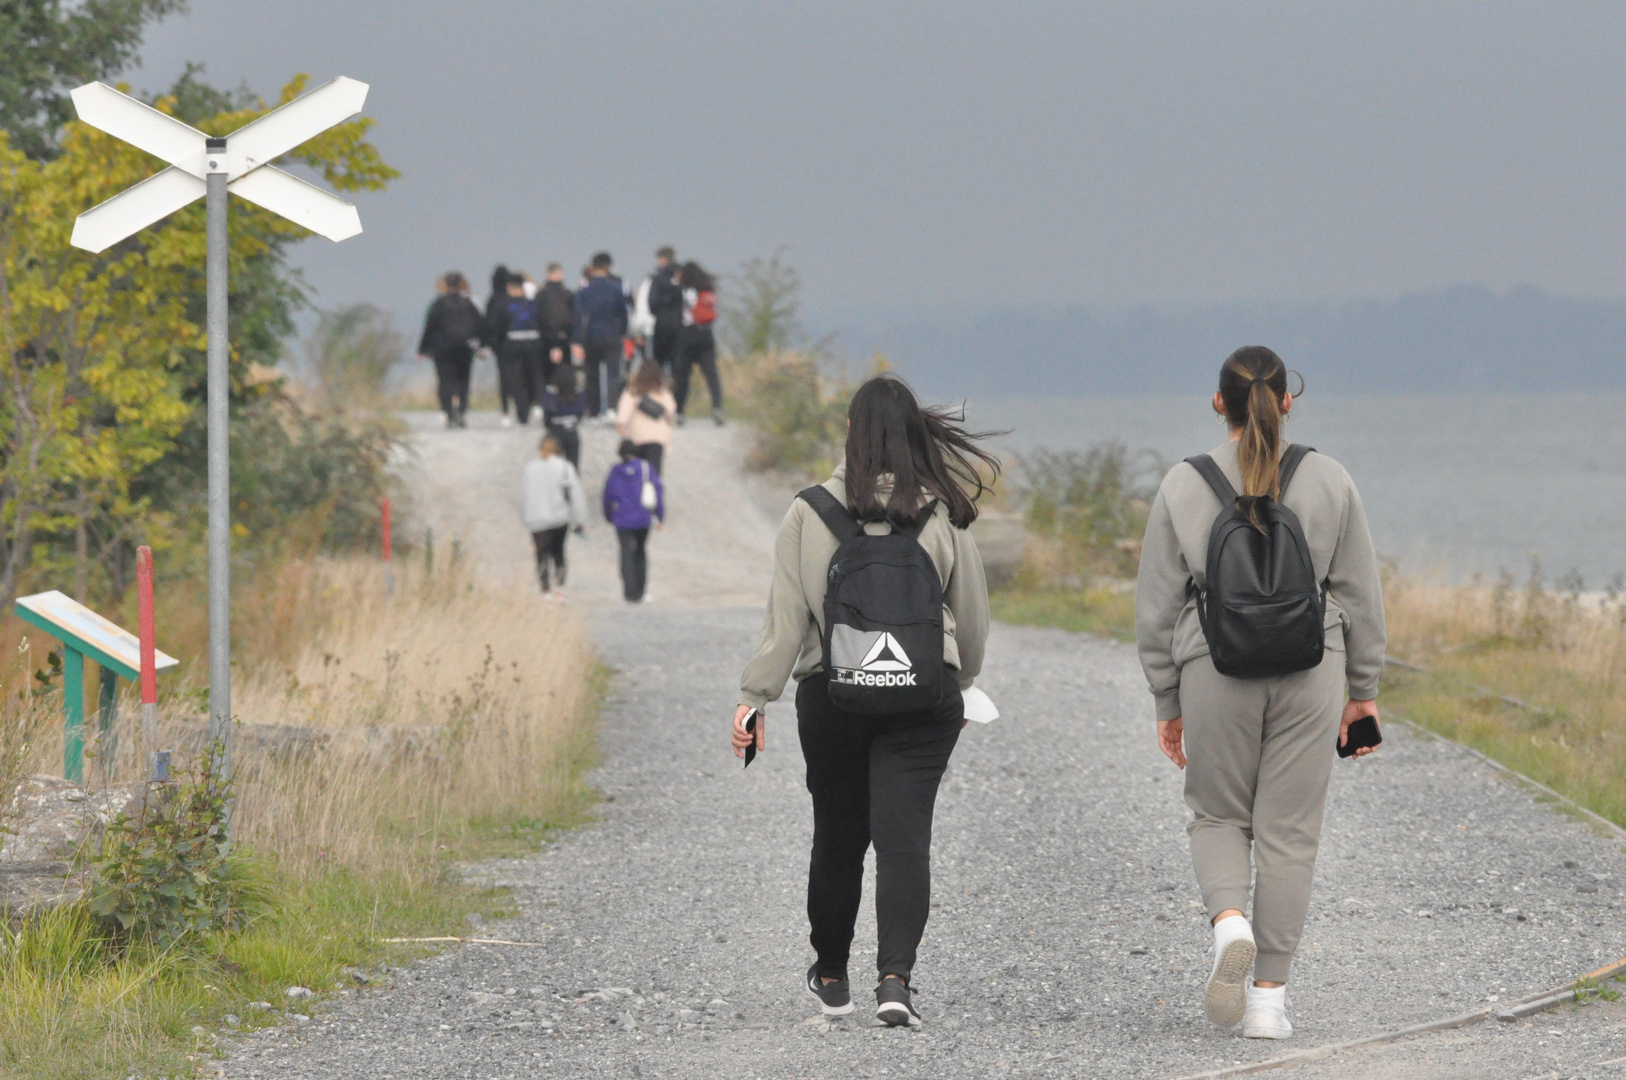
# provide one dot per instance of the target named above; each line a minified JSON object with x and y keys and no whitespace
{"x":1230,"y":929}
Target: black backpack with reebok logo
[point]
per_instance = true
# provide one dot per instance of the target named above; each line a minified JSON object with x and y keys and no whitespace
{"x":1263,"y":610}
{"x":883,"y":615}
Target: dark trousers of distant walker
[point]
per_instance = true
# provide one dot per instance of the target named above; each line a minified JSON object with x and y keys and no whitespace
{"x":603,"y":354}
{"x":874,"y":781}
{"x":452,"y":368}
{"x":512,"y":381}
{"x":654,"y":453}
{"x":663,"y":343}
{"x":697,"y":348}
{"x":550,"y":556}
{"x":634,"y":562}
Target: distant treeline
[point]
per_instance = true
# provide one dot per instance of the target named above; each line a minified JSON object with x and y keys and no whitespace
{"x":1463,"y":339}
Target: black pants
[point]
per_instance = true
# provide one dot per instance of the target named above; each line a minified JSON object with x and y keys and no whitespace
{"x":603,"y":354}
{"x":538,"y":371}
{"x":513,"y":364}
{"x":663,"y":343}
{"x":873,"y":780}
{"x":697,"y":348}
{"x":652,"y":452}
{"x":570,"y":440}
{"x":634,"y":562}
{"x":452,"y":369}
{"x":550,"y":552}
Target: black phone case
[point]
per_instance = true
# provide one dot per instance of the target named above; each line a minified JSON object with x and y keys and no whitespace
{"x":1363,"y":732}
{"x":751,"y":747}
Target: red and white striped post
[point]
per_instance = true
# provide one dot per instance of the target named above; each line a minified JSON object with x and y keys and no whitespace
{"x":149,"y":663}
{"x":389,"y":568}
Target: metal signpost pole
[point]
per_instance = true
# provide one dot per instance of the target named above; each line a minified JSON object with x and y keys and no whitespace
{"x":219,"y":395}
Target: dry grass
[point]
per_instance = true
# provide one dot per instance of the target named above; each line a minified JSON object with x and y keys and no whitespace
{"x":382,"y":736}
{"x":1559,"y":657}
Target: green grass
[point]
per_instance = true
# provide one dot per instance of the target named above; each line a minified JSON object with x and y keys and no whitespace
{"x":1576,"y":744}
{"x":75,"y":1007}
{"x":1110,"y":613}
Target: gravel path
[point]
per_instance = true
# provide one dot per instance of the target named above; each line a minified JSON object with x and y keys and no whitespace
{"x":1066,"y":939}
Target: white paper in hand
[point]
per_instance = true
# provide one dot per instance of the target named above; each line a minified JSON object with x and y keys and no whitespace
{"x":978,"y":706}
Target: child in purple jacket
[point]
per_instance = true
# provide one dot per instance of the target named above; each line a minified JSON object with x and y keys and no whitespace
{"x":626,"y":508}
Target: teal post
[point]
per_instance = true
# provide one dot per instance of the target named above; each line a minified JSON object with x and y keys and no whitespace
{"x":107,"y":723}
{"x":73,"y":701}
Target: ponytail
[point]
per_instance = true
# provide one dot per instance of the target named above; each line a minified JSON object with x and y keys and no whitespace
{"x":1252,"y":383}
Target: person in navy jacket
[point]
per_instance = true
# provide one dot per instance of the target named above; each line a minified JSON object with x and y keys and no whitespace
{"x":601,"y":326}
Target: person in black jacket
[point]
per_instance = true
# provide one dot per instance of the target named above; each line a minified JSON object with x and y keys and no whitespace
{"x":601,"y":327}
{"x":666,"y":305}
{"x":490,"y":339}
{"x":558,"y":308}
{"x":514,"y":327}
{"x":450,"y":332}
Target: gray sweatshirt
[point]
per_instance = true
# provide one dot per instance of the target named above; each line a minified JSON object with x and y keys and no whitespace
{"x":1175,"y":552}
{"x":793,"y":629}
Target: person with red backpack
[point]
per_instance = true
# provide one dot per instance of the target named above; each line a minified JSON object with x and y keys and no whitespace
{"x":879,"y":611}
{"x":697,"y":345}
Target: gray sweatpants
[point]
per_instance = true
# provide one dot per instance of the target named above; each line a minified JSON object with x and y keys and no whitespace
{"x":1258,"y":756}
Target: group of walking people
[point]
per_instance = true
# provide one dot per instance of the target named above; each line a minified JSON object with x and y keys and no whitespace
{"x":564,"y":356}
{"x":1259,"y":620}
{"x":634,"y":495}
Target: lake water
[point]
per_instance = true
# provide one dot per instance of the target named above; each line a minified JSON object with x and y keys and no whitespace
{"x":1457,"y":484}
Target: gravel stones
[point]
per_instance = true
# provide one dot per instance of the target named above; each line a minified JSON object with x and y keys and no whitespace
{"x":1060,"y":832}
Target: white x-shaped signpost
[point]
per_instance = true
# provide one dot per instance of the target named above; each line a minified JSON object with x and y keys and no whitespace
{"x":201,"y":167}
{"x":245,"y":161}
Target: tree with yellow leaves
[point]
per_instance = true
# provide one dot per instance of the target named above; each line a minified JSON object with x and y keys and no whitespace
{"x":101,"y":365}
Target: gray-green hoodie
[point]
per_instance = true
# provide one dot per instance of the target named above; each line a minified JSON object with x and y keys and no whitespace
{"x":794,"y":625}
{"x":1175,"y":553}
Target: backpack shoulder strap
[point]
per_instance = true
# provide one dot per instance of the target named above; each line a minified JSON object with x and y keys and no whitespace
{"x":914,"y":531}
{"x":1209,"y":470}
{"x":831,"y":512}
{"x":1290,"y":462}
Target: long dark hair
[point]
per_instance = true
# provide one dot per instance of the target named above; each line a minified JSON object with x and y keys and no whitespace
{"x":924,"y":451}
{"x":694,"y":276}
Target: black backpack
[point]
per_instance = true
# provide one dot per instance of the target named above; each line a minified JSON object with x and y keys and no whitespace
{"x":1263,"y":609}
{"x":460,"y":321}
{"x":883,"y":615}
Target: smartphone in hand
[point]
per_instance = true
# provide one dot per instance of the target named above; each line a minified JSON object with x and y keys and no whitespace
{"x":750,"y":726}
{"x":1362,"y":733}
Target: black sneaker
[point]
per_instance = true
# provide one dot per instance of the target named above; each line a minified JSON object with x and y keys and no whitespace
{"x":835,"y":999}
{"x":892,"y":1005}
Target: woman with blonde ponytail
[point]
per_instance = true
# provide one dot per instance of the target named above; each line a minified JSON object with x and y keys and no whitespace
{"x":1257,"y":751}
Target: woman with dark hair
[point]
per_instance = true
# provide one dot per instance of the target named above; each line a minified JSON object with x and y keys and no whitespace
{"x":646,"y":412}
{"x":874,"y":777}
{"x":495,"y":335}
{"x":1257,"y":751}
{"x":697,"y":345}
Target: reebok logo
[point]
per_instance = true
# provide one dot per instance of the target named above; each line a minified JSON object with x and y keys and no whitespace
{"x":881,"y":663}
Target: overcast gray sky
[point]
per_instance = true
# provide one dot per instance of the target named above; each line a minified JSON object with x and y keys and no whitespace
{"x":950,"y":154}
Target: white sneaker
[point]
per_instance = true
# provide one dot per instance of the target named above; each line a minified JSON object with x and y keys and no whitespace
{"x":506,"y":421}
{"x":1225,"y":996}
{"x":1266,"y":1017}
{"x":536,"y":412}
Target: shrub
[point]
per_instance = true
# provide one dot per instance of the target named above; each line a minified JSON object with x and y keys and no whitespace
{"x":1086,"y":511}
{"x":163,"y":875}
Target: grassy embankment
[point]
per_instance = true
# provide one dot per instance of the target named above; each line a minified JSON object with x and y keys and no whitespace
{"x":1531,"y":677}
{"x":422,"y":729}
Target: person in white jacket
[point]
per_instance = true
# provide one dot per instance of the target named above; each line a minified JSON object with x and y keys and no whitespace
{"x":553,"y":504}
